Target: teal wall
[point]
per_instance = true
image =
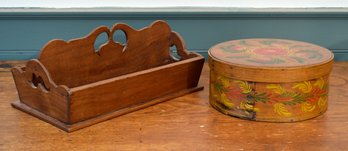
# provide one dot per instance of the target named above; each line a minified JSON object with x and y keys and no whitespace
{"x":23,"y":34}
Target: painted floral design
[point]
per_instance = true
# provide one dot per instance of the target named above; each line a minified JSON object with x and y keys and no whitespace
{"x":287,"y":100}
{"x":270,"y":52}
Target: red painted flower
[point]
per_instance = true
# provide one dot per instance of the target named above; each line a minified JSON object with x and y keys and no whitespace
{"x":316,"y":93}
{"x":312,"y":99}
{"x":234,"y":93}
{"x":271,"y":51}
{"x":279,"y":98}
{"x":237,"y":48}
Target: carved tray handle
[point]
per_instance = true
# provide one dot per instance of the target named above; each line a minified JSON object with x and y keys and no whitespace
{"x":92,"y":37}
{"x":124,"y":28}
{"x":178,"y":42}
{"x":38,"y":77}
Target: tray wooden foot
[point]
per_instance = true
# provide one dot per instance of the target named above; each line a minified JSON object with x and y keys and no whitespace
{"x":73,"y":127}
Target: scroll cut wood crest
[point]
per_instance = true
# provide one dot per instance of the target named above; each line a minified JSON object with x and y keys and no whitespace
{"x":71,"y":85}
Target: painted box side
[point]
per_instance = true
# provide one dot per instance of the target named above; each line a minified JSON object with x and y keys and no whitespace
{"x":274,"y":102}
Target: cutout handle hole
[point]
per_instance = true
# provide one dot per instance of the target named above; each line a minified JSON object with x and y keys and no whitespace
{"x":174,"y":53}
{"x":37,"y":80}
{"x":101,"y":40}
{"x":120,"y":37}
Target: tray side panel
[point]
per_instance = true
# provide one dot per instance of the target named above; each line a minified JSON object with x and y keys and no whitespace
{"x":76,"y":62}
{"x":134,"y":89}
{"x":51,"y":103}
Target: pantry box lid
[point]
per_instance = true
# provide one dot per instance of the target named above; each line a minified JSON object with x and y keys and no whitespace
{"x":270,"y":60}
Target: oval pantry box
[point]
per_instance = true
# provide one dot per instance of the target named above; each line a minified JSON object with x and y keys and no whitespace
{"x":271,"y":80}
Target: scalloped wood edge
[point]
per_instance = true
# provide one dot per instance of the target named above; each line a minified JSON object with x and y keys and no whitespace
{"x":50,"y":93}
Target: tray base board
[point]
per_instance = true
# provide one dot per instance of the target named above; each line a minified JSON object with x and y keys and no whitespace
{"x":73,"y":127}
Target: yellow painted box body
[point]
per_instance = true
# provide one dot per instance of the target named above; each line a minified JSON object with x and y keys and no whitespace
{"x":271,"y":80}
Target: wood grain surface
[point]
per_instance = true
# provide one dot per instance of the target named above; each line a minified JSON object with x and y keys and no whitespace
{"x":184,"y":123}
{"x":75,"y":83}
{"x":75,"y":62}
